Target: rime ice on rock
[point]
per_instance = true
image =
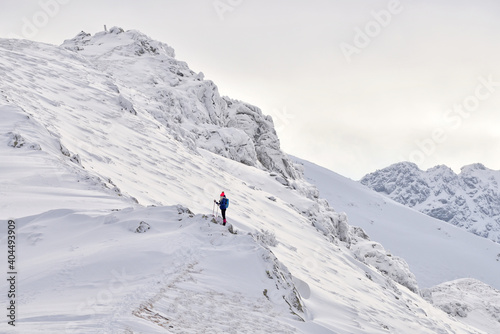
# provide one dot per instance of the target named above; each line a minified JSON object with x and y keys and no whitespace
{"x":190,"y":107}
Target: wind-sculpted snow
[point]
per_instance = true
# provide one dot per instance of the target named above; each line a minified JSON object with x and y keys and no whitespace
{"x":182,"y":100}
{"x":470,"y":199}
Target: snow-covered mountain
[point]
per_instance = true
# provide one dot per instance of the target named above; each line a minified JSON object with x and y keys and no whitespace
{"x":470,"y":199}
{"x":187,"y":105}
{"x":112,"y":152}
{"x":448,"y":262}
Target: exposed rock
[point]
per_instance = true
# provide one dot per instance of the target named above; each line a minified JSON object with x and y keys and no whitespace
{"x":190,"y":107}
{"x":143,"y":227}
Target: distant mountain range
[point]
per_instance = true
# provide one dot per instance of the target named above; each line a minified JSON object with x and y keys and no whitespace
{"x":470,"y":199}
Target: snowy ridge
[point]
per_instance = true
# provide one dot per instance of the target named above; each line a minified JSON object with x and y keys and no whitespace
{"x":89,"y":156}
{"x":470,"y":199}
{"x":182,"y":100}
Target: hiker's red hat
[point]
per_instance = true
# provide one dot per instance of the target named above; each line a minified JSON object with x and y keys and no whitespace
{"x":222,"y":194}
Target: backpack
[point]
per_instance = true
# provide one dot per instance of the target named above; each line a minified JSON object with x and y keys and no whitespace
{"x":224,"y":203}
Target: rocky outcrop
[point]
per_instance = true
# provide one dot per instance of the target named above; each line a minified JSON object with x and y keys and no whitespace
{"x":189,"y":106}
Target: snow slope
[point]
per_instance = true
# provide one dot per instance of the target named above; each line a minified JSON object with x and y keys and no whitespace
{"x":179,"y":275}
{"x":470,"y":199}
{"x":87,"y":156}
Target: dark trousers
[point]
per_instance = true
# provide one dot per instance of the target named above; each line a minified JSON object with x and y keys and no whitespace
{"x":223,"y":211}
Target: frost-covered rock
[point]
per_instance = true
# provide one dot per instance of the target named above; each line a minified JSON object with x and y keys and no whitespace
{"x":126,"y":105}
{"x":470,"y":199}
{"x":335,"y":226}
{"x":396,"y":268}
{"x":17,"y":141}
{"x":260,"y":128}
{"x":143,"y":227}
{"x":190,"y":107}
{"x":230,"y":143}
{"x":329,"y":222}
{"x":139,"y":43}
{"x":265,"y":238}
{"x":284,"y":287}
{"x":473,"y":302}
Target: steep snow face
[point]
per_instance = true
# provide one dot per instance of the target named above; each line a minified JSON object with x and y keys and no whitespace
{"x":147,"y":76}
{"x":470,"y":200}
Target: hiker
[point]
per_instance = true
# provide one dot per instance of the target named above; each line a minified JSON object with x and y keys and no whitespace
{"x":223,"y":204}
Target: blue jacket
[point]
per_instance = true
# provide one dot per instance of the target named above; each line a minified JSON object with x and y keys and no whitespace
{"x":224,"y":203}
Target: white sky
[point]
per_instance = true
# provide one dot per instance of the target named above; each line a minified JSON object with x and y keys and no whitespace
{"x":394,"y":100}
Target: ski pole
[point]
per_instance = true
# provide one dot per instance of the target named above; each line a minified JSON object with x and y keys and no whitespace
{"x":213,"y":209}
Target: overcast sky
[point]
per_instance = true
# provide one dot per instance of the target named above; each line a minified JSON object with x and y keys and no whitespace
{"x":352,"y":85}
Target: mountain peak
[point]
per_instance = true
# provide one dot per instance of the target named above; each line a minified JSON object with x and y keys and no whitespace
{"x":118,"y":41}
{"x":404,"y":165}
{"x":189,"y":107}
{"x":472,"y":167}
{"x":440,"y":168}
